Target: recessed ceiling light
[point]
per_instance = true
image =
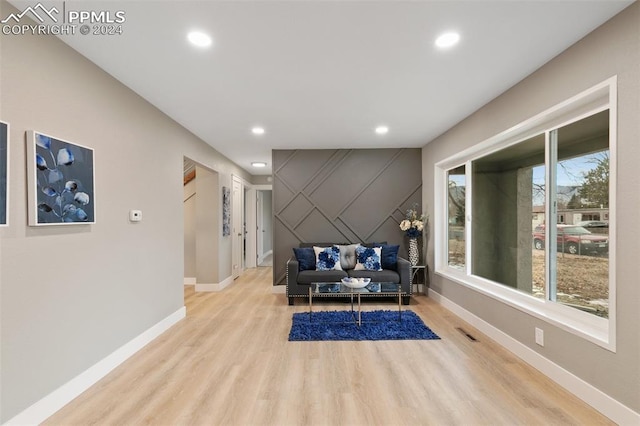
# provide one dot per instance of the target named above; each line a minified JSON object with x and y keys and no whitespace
{"x":382,"y":130}
{"x":199,"y":39}
{"x":447,"y":40}
{"x":257,"y":130}
{"x":259,"y":164}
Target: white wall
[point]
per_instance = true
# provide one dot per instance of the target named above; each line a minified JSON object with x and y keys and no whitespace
{"x":208,"y":225}
{"x":72,"y":295}
{"x":612,"y":49}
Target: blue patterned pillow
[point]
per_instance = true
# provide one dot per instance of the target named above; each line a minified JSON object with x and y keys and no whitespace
{"x":368,"y":259}
{"x":327,"y":258}
{"x":306,"y":258}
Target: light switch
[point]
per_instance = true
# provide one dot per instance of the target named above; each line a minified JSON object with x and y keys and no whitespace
{"x":135,"y":215}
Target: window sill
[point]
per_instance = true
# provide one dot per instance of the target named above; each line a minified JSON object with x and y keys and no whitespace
{"x":587,"y":326}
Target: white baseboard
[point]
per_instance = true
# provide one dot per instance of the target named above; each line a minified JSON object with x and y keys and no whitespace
{"x":47,"y":406}
{"x":189,"y":280}
{"x":615,"y":410}
{"x":263,"y":255}
{"x":279,"y":289}
{"x":215,"y":286}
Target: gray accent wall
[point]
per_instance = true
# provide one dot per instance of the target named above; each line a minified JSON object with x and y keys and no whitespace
{"x":72,"y":295}
{"x":341,"y":195}
{"x":612,"y":49}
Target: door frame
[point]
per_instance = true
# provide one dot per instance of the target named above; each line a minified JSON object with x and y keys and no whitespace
{"x":250,"y":211}
{"x":237,"y":226}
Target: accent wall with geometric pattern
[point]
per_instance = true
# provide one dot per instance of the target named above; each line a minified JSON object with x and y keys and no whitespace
{"x":341,"y":196}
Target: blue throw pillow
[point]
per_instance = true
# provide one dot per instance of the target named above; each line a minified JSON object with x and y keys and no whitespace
{"x":368,"y":259}
{"x":327,"y":258}
{"x":306,"y":258}
{"x":389,"y":257}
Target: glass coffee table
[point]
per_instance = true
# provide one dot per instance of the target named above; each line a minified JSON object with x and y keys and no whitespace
{"x":337,"y":289}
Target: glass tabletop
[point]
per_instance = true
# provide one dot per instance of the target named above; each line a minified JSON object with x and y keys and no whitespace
{"x":337,"y":288}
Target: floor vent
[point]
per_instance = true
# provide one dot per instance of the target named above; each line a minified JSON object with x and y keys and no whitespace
{"x":469,"y":336}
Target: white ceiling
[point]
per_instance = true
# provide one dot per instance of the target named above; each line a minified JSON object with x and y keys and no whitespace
{"x":324,"y":74}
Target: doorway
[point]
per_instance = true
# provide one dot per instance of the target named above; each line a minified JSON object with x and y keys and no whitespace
{"x":189,"y":216}
{"x":204,"y":245}
{"x":264,"y":216}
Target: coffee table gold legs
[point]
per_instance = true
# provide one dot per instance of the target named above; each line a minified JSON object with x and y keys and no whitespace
{"x":310,"y":303}
{"x":318,"y":290}
{"x":359,"y":321}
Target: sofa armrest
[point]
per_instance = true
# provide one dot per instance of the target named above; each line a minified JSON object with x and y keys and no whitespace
{"x":404,"y":270}
{"x":292,"y":278}
{"x":292,"y":272}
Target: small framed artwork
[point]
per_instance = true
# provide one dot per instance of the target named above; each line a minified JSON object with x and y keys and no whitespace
{"x":4,"y":173}
{"x":60,"y":181}
{"x":226,"y":211}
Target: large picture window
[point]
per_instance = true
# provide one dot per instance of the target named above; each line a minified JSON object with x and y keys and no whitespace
{"x":456,"y":179}
{"x":530,"y":217}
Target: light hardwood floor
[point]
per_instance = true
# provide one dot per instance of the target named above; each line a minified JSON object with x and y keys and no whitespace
{"x":229,"y":363}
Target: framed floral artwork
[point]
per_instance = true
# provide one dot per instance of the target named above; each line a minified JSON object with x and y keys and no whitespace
{"x":4,"y":173}
{"x":226,"y":211}
{"x":60,"y":181}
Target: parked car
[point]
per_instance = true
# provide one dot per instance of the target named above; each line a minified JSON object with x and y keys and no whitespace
{"x":573,"y":239}
{"x":593,"y":224}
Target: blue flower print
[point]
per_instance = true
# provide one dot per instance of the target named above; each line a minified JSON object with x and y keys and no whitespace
{"x":368,"y":259}
{"x":327,"y":259}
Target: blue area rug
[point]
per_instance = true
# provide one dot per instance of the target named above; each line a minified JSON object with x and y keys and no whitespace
{"x":376,"y":325}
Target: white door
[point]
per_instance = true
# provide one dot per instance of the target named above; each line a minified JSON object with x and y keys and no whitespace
{"x":238,"y":228}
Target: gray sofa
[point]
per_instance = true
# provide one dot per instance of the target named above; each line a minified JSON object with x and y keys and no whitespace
{"x":298,"y":281}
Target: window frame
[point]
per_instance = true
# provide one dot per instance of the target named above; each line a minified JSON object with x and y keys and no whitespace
{"x":601,"y":331}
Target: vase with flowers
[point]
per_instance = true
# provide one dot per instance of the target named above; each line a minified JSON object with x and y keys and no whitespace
{"x":413,"y":225}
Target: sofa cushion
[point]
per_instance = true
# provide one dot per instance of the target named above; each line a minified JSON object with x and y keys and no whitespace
{"x":368,"y":258}
{"x":384,"y":276}
{"x":389,"y":257}
{"x":348,"y":256}
{"x":306,"y":258}
{"x":327,"y":258}
{"x":308,"y":277}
